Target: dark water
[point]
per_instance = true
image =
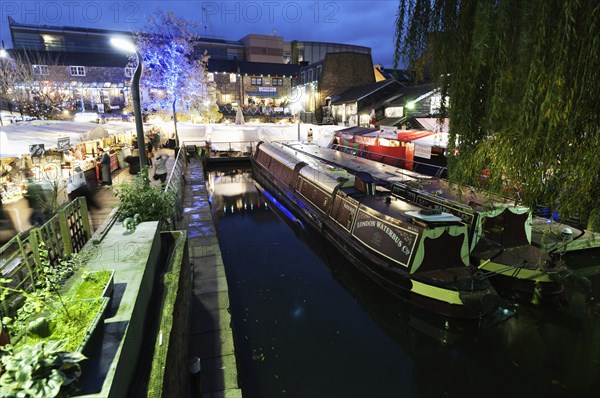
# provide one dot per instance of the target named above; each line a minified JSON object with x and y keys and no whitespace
{"x":308,"y":325}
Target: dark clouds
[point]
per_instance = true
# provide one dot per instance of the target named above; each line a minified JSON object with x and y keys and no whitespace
{"x":368,"y":23}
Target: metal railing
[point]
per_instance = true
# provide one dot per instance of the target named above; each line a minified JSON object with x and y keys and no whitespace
{"x":219,"y":149}
{"x":418,"y":167}
{"x":176,"y":181}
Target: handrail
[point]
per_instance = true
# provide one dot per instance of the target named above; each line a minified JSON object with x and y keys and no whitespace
{"x":439,"y":170}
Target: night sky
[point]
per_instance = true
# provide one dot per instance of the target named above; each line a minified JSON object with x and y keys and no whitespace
{"x":366,"y":23}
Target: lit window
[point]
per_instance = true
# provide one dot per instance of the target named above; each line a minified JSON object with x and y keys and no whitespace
{"x":256,"y":81}
{"x":129,"y":72}
{"x":39,"y":70}
{"x":77,"y":70}
{"x":277,"y":81}
{"x":210,"y":77}
{"x":232,"y":78}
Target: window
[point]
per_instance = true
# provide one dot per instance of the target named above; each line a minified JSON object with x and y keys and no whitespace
{"x":77,"y":70}
{"x":129,"y":72}
{"x":277,"y":81}
{"x":302,"y":77}
{"x":310,"y":75}
{"x":39,"y":69}
{"x":256,"y":81}
{"x":232,"y":78}
{"x":210,"y":77}
{"x":319,"y":71}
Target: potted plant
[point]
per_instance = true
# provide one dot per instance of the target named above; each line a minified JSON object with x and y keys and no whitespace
{"x":43,"y":370}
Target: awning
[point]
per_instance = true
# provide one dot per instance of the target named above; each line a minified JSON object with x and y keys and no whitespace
{"x":263,"y":94}
{"x":411,"y":135}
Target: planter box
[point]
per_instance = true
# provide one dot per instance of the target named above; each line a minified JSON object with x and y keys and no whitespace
{"x":55,"y":321}
{"x":86,"y":288}
{"x":93,"y":335}
{"x":110,"y":286}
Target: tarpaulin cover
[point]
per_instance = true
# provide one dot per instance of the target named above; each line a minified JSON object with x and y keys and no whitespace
{"x":411,"y":135}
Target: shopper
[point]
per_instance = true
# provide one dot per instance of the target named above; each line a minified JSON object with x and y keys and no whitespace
{"x":104,"y":167}
{"x":160,"y":168}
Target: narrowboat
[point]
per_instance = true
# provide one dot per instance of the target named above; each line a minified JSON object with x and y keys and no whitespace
{"x":499,"y":229}
{"x":419,"y":256}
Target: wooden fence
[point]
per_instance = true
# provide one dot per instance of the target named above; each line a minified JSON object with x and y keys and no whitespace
{"x":63,"y":235}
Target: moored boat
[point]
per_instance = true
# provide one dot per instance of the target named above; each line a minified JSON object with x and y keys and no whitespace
{"x":499,"y":229}
{"x":420,"y":256}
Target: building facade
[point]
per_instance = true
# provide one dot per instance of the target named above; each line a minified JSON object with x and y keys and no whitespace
{"x":262,"y":73}
{"x":319,"y":82}
{"x":261,"y":89}
{"x":74,"y":69}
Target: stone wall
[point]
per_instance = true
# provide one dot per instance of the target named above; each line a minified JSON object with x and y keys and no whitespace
{"x":342,"y":71}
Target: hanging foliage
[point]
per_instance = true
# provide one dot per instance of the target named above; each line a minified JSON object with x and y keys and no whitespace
{"x":523,"y":82}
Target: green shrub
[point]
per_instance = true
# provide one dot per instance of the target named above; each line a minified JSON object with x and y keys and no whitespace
{"x":151,"y":202}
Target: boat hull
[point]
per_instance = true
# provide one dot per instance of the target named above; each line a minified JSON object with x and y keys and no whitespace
{"x":441,"y":297}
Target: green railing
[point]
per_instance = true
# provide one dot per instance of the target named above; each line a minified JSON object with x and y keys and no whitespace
{"x":176,"y":181}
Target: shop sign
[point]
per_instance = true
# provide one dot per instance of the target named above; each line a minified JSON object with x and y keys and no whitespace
{"x":64,"y":144}
{"x":267,"y":89}
{"x":423,"y":151}
{"x":388,"y":130}
{"x":36,"y":150}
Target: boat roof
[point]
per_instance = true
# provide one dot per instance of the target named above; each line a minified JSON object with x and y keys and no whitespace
{"x":399,"y":209}
{"x":476,"y":200}
{"x":394,"y":207}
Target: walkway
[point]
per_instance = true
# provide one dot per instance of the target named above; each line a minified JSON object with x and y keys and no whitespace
{"x":211,"y":337}
{"x":106,"y":197}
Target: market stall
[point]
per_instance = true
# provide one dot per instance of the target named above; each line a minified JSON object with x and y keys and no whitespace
{"x":48,"y":152}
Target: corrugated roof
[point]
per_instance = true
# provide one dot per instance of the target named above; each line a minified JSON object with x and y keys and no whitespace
{"x":116,"y":59}
{"x":410,"y":93}
{"x":356,"y":130}
{"x":356,"y":93}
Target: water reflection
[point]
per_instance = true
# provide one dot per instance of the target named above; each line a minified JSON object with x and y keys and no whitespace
{"x":308,"y":324}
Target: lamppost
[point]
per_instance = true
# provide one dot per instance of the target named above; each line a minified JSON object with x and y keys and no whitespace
{"x":129,"y":47}
{"x":175,"y":121}
{"x":3,"y":56}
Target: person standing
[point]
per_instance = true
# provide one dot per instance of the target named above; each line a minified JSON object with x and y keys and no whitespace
{"x":149,"y":153}
{"x":105,"y":167}
{"x":37,"y":201}
{"x":77,"y":186}
{"x":160,"y":168}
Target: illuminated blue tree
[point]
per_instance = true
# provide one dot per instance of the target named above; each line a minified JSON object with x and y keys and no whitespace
{"x":175,"y":78}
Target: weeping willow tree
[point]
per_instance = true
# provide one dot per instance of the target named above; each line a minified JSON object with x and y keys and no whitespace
{"x":522,"y":79}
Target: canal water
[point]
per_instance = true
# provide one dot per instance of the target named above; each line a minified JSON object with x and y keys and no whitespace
{"x":308,"y":325}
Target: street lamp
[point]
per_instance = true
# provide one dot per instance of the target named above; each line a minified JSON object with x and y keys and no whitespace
{"x":3,"y":52}
{"x":3,"y":55}
{"x":128,"y":46}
